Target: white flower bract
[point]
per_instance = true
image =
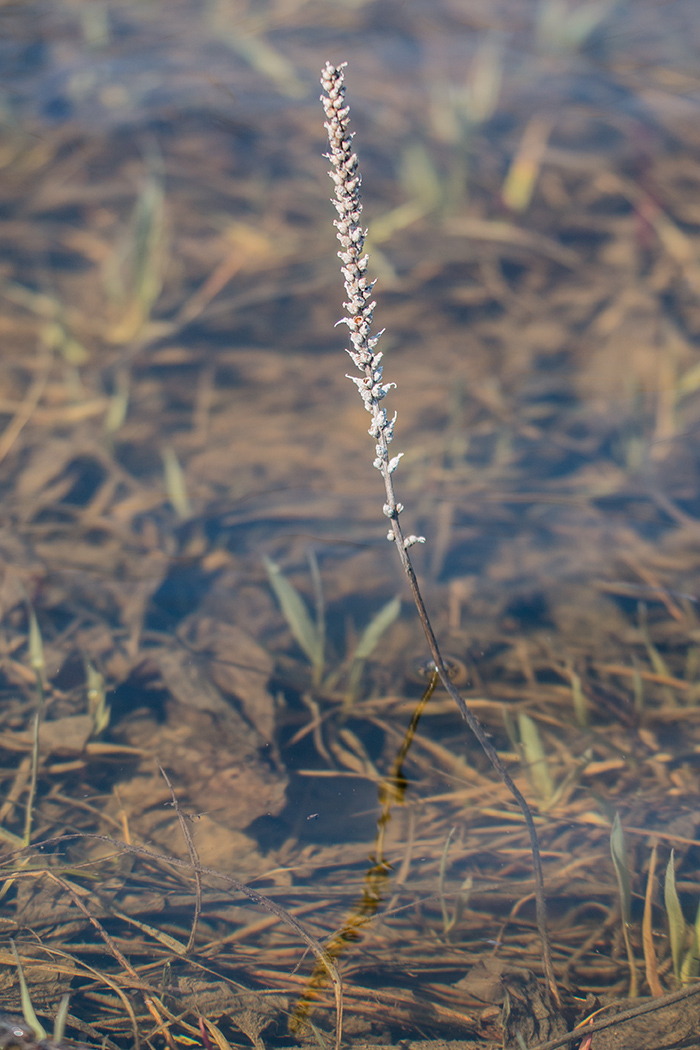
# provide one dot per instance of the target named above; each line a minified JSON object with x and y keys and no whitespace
{"x":358,"y":287}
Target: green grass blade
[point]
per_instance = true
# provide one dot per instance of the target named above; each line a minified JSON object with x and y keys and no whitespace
{"x":638,"y":687}
{"x":148,"y":234}
{"x":175,"y":484}
{"x":581,"y":712}
{"x":319,"y":600}
{"x":59,"y":1025}
{"x":36,"y":659}
{"x":676,"y":922}
{"x":13,"y":840}
{"x":624,"y":881}
{"x":27,"y":1009}
{"x":690,"y":969}
{"x":535,"y":757}
{"x":98,"y":708}
{"x":36,"y":645}
{"x":297,"y":616}
{"x":622,"y":871}
{"x":655,"y":658}
{"x":446,"y":922}
{"x":374,"y":630}
{"x":118,"y":406}
{"x":510,"y":727}
{"x":367,"y":644}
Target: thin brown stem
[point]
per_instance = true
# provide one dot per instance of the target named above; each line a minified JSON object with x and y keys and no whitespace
{"x":359,"y":308}
{"x":491,"y":753}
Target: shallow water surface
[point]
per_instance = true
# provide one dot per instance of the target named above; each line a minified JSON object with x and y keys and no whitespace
{"x":190,"y":512}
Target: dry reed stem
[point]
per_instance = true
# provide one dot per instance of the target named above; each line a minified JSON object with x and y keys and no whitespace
{"x":360,"y":310}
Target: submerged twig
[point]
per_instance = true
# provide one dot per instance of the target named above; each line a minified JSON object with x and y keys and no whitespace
{"x":194,"y":857}
{"x":254,"y":895}
{"x":372,"y":389}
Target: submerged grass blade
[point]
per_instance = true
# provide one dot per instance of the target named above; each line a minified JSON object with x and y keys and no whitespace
{"x":38,"y":663}
{"x":216,"y":1034}
{"x":622,"y":871}
{"x":624,"y":883}
{"x":676,"y":922}
{"x":691,"y":964}
{"x":690,"y":967}
{"x":118,"y":406}
{"x":579,"y":701}
{"x":59,"y":1025}
{"x":98,"y":708}
{"x":510,"y":727}
{"x":563,"y":27}
{"x":638,"y":688}
{"x":650,"y":963}
{"x":380,"y":622}
{"x":134,"y":275}
{"x":520,"y":182}
{"x":535,"y":757}
{"x":297,"y":616}
{"x":13,"y":840}
{"x":319,"y":600}
{"x":175,"y":484}
{"x":27,"y":1009}
{"x":36,"y":645}
{"x":446,"y":921}
{"x":369,"y":640}
{"x":655,"y":658}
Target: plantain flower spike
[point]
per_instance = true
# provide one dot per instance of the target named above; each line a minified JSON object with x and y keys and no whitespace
{"x":358,"y":287}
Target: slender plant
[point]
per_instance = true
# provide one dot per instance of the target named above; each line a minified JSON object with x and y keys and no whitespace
{"x":372,"y":389}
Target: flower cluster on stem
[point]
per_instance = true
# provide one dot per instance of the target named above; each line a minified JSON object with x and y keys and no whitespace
{"x":358,"y":288}
{"x":373,"y":390}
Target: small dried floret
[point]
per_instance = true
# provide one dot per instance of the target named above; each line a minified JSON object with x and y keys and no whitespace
{"x":347,"y":181}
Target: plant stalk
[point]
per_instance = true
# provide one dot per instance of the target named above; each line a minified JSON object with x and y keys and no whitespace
{"x":359,"y":315}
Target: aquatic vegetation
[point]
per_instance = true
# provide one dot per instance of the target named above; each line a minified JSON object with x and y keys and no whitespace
{"x":618,"y":850}
{"x":311,"y":634}
{"x":172,"y":412}
{"x":372,"y":390}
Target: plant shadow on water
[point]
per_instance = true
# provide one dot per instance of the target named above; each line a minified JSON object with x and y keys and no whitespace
{"x":194,"y":570}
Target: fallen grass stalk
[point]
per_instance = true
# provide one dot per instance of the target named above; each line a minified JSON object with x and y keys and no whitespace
{"x":360,"y":309}
{"x":650,"y":961}
{"x":194,"y":857}
{"x":257,"y":898}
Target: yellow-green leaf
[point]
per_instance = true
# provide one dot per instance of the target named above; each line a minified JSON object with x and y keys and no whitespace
{"x":676,"y":922}
{"x":619,"y":857}
{"x":297,"y":616}
{"x":535,"y":757}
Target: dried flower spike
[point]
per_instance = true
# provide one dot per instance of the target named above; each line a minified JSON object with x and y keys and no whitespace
{"x":360,"y":310}
{"x":358,"y":288}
